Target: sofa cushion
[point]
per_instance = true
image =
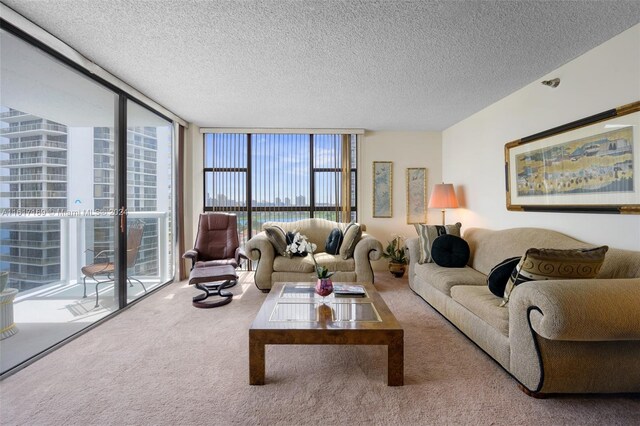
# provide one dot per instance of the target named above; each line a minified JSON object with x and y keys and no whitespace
{"x":428,"y":234}
{"x":335,"y":262}
{"x":483,"y":304}
{"x":445,"y":278}
{"x":334,"y":241}
{"x":450,"y":251}
{"x":305,"y":264}
{"x":278,"y":238}
{"x":293,"y":264}
{"x":551,"y":264}
{"x":352,"y":234}
{"x":499,"y":275}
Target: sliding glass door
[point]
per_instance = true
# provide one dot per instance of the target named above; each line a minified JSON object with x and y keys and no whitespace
{"x":65,"y":240}
{"x":149,"y":200}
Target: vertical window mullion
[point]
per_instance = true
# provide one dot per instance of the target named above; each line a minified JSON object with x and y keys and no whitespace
{"x":312,"y":191}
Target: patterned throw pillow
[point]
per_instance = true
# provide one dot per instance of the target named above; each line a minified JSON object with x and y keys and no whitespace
{"x":352,"y":235}
{"x":499,"y":275}
{"x":278,"y":238}
{"x":551,"y":264}
{"x":428,"y":234}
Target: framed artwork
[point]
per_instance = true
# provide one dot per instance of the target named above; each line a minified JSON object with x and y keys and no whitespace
{"x":416,"y":195}
{"x":382,"y":188}
{"x":590,"y":165}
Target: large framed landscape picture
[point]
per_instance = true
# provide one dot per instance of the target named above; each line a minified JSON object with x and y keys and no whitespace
{"x":382,"y":188}
{"x":590,"y":165}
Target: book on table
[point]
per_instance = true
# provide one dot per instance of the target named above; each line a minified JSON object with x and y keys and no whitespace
{"x":342,"y":290}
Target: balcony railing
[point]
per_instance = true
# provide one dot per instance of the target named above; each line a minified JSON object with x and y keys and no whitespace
{"x":33,"y":160}
{"x":14,"y":113}
{"x":34,"y":194}
{"x":31,"y":260}
{"x":32,"y":144}
{"x":38,"y":177}
{"x":71,"y":226}
{"x":31,"y":127}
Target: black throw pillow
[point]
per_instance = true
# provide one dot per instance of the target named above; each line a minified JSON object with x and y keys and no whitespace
{"x":499,"y":275}
{"x":334,"y":240}
{"x":450,"y":251}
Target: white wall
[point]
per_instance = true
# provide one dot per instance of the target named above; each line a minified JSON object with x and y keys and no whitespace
{"x":404,"y":149}
{"x":473,"y":149}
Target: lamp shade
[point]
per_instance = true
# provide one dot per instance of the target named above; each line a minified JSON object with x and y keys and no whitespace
{"x":443,"y":196}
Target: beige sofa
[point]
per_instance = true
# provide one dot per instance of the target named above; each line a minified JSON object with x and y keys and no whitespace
{"x":274,"y":268}
{"x":569,"y":336}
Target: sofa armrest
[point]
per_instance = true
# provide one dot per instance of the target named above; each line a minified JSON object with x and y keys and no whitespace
{"x":259,"y":248}
{"x":580,"y":310}
{"x":367,"y":249}
{"x":412,"y":251}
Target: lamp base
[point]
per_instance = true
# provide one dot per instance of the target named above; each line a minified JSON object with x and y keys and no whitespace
{"x":442,"y":217}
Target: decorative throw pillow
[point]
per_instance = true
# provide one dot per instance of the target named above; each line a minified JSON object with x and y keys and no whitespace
{"x":428,"y":234}
{"x":278,"y":238}
{"x":450,"y":251}
{"x":296,"y":244}
{"x":551,"y":264}
{"x":352,"y":235}
{"x":499,"y":275}
{"x":334,"y":240}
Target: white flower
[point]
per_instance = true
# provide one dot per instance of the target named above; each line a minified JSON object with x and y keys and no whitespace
{"x":299,"y":245}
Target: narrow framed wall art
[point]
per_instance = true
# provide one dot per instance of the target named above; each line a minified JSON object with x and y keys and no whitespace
{"x":416,"y":195}
{"x":382,"y":189}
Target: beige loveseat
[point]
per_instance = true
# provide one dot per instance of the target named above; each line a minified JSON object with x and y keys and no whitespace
{"x":273,"y":267}
{"x":569,"y":336}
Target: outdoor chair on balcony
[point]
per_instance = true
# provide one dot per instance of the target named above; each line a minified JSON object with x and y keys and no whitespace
{"x":104,"y":266}
{"x":214,"y":258}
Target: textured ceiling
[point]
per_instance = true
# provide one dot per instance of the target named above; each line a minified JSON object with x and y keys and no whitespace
{"x":379,"y":65}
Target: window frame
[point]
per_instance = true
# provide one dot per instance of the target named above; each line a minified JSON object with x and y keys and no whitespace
{"x":249,"y":208}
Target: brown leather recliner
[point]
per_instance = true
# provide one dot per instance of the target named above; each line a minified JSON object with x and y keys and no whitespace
{"x":215,"y":256}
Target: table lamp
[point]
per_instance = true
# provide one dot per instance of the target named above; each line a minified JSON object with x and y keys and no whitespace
{"x":443,"y":196}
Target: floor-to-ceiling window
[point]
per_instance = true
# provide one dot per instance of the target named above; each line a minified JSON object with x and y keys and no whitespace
{"x":59,"y":216}
{"x":149,"y":199}
{"x":280,"y":177}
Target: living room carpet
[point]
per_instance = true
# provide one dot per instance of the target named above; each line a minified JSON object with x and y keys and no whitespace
{"x":164,"y":362}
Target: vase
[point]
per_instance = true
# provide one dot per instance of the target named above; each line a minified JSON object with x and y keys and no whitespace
{"x":324,"y":287}
{"x":397,"y":269}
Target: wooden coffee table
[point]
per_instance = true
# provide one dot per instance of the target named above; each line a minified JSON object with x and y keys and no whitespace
{"x":293,"y":314}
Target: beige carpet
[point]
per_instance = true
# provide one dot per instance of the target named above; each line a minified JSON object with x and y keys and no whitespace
{"x":163,"y":362}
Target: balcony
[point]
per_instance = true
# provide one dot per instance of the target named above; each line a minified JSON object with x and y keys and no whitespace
{"x":37,"y":177}
{"x":33,"y":130}
{"x":56,"y":309}
{"x":34,"y":194}
{"x":34,"y":161}
{"x":5,"y":116}
{"x":33,"y":145}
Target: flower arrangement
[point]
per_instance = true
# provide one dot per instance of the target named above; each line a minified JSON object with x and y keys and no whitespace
{"x":298,"y":245}
{"x":395,"y":250}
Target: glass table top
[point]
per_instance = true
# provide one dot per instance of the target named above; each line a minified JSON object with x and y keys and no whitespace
{"x":348,"y":311}
{"x":307,"y":291}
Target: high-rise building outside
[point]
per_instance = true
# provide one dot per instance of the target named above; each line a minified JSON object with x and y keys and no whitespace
{"x":48,"y":168}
